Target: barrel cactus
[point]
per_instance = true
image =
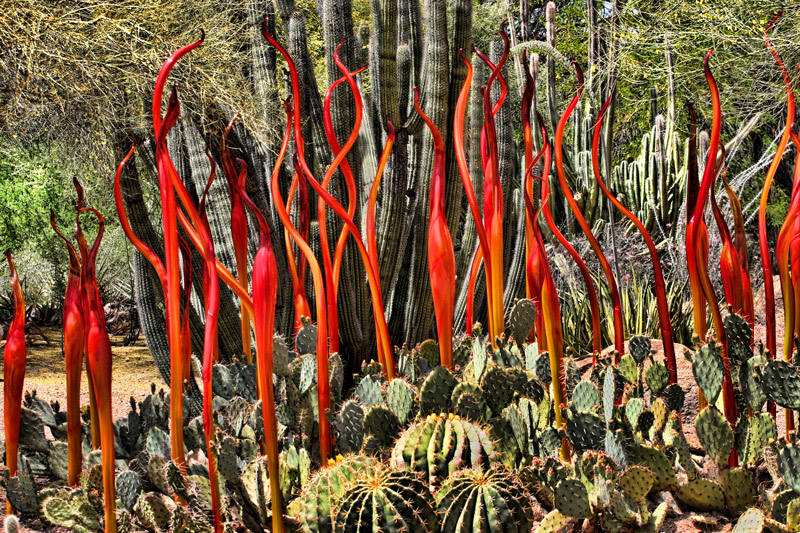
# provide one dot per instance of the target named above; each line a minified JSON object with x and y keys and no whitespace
{"x":474,"y":500}
{"x":387,"y":500}
{"x":441,"y":444}
{"x":314,"y":508}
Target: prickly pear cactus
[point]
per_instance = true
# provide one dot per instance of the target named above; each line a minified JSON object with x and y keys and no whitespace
{"x":441,"y":444}
{"x":585,"y":396}
{"x":702,"y":495}
{"x":401,"y":398}
{"x":20,"y":489}
{"x":154,"y":510}
{"x":501,"y":384}
{"x":521,"y":319}
{"x":504,"y":503}
{"x":381,"y":423}
{"x":781,"y":383}
{"x":636,"y":482}
{"x":306,"y":339}
{"x":709,"y":371}
{"x":789,"y":461}
{"x":349,"y":426}
{"x":657,"y":378}
{"x":386,"y":500}
{"x":315,"y":506}
{"x":586,"y":431}
{"x":572,"y":499}
{"x":129,"y":486}
{"x":369,"y":390}
{"x":71,"y":510}
{"x":715,"y":434}
{"x":435,"y":393}
{"x":739,"y":334}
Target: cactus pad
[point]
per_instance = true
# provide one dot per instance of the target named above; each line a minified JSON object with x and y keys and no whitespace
{"x":789,"y":461}
{"x":628,"y":368}
{"x":400,"y":399}
{"x":521,"y":319}
{"x":383,"y":424}
{"x":740,"y":493}
{"x":369,"y":390}
{"x":306,"y":340}
{"x":636,"y":482}
{"x":350,"y":427}
{"x":500,"y":384}
{"x":435,"y":393}
{"x":586,"y":431}
{"x":715,"y":434}
{"x":781,"y":383}
{"x":739,"y":334}
{"x":585,"y":396}
{"x":702,"y":495}
{"x":657,"y":462}
{"x":709,"y":371}
{"x":572,"y":499}
{"x":752,"y":521}
{"x":657,"y":378}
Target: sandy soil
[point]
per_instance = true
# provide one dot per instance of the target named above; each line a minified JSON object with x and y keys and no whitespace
{"x":133,"y":369}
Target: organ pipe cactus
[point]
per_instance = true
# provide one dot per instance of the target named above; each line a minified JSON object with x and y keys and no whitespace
{"x":619,"y":332}
{"x":692,"y":250}
{"x":265,"y":290}
{"x":658,"y":276}
{"x":99,"y":351}
{"x":463,"y":168}
{"x":238,"y":230}
{"x":333,"y":268}
{"x":73,"y":329}
{"x":382,"y":331}
{"x":15,"y":357}
{"x":372,"y":243}
{"x":441,"y":258}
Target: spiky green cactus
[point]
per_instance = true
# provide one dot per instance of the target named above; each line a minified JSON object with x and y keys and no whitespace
{"x":441,"y":444}
{"x":434,"y":395}
{"x":315,"y":505}
{"x":781,"y":383}
{"x":71,"y":510}
{"x":386,"y":500}
{"x":715,"y":434}
{"x":493,"y":499}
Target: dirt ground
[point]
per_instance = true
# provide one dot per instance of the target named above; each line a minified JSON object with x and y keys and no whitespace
{"x":133,"y":371}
